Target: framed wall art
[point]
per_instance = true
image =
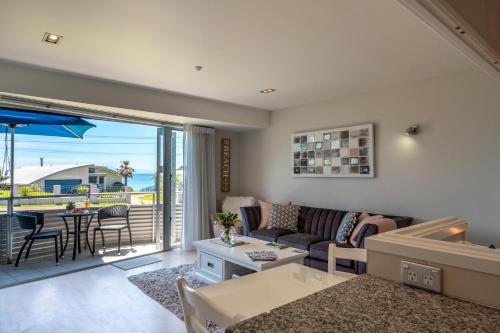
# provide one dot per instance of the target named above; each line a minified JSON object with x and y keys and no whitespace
{"x":335,"y":152}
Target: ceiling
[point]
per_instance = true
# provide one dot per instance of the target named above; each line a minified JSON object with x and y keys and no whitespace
{"x":306,"y":50}
{"x":483,"y":16}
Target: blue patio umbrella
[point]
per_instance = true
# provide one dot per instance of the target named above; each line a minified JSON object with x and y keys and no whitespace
{"x":15,"y":121}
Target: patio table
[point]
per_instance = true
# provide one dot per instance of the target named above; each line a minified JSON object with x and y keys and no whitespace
{"x":77,"y":229}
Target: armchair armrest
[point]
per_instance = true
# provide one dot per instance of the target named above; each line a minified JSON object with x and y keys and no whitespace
{"x":250,"y":217}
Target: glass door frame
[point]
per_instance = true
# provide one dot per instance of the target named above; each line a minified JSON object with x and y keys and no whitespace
{"x":163,"y":217}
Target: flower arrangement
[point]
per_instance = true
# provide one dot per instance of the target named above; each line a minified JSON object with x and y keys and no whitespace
{"x":226,"y":221}
{"x":70,"y":206}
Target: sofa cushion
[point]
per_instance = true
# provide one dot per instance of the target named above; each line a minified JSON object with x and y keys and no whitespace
{"x":284,"y":217}
{"x":323,"y":266}
{"x":269,"y":235}
{"x":265,"y":211}
{"x":299,"y":241}
{"x":362,"y":220}
{"x":346,"y":227}
{"x":320,"y":251}
{"x":320,"y":221}
{"x":250,"y":216}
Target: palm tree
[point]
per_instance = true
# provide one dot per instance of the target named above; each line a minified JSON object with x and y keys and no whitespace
{"x":126,"y":171}
{"x":2,"y":177}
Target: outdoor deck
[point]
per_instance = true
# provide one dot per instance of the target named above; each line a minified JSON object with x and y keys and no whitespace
{"x":45,"y":267}
{"x":41,"y":262}
{"x":141,"y":222}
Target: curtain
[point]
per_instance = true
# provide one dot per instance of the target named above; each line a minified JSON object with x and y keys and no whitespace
{"x":199,"y":184}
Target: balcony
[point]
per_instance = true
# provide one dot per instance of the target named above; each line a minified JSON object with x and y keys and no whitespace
{"x":41,"y":262}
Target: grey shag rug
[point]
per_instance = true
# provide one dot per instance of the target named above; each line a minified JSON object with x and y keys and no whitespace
{"x":161,"y":286}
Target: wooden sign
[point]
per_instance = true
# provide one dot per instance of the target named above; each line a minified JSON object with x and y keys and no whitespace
{"x":226,"y":165}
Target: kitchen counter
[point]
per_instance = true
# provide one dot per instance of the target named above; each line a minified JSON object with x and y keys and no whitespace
{"x":371,"y":304}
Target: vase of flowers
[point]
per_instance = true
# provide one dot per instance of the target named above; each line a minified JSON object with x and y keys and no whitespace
{"x":70,"y":207}
{"x":227,"y":221}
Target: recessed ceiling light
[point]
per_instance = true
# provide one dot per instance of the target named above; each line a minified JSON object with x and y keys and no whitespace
{"x":51,"y":38}
{"x":267,"y":91}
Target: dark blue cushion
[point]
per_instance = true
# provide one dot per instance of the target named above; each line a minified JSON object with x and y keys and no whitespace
{"x":320,"y":251}
{"x":269,"y":235}
{"x":299,"y":241}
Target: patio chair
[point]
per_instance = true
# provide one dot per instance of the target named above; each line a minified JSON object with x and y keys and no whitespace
{"x":29,"y":221}
{"x":112,"y":212}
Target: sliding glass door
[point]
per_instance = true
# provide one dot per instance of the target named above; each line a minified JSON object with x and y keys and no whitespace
{"x":170,"y":159}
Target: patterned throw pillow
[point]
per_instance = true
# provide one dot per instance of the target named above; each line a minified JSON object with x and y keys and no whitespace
{"x":284,"y":217}
{"x":346,"y":227}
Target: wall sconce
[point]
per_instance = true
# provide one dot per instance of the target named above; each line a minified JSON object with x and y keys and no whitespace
{"x":411,"y":131}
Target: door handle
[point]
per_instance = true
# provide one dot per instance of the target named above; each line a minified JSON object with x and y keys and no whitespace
{"x":209,"y":264}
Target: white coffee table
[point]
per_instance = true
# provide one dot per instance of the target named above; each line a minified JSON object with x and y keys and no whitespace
{"x":217,"y":263}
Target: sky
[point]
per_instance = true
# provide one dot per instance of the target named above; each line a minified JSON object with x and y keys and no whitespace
{"x":107,"y":144}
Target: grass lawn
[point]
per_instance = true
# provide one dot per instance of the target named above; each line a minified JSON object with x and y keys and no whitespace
{"x":147,"y":197}
{"x":32,"y":193}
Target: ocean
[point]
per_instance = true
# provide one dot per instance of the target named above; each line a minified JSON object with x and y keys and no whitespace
{"x":141,"y":181}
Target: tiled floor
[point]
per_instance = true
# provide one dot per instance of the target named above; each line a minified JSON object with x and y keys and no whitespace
{"x":36,"y":269}
{"x":95,"y":300}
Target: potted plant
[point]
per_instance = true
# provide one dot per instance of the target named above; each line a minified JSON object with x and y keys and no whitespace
{"x":226,"y":221}
{"x":70,"y":207}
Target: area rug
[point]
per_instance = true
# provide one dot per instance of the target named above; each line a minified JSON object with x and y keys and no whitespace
{"x":161,"y":286}
{"x":135,"y":262}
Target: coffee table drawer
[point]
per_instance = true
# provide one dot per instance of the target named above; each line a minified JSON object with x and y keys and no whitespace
{"x":211,"y":264}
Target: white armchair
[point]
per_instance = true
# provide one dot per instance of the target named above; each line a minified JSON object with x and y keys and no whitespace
{"x":233,"y":204}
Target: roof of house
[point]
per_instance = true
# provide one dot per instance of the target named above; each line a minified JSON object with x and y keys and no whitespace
{"x":28,"y":175}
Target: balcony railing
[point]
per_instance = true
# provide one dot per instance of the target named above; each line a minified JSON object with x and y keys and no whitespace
{"x":143,"y":213}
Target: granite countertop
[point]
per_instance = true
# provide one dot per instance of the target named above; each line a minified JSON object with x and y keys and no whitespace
{"x":371,"y":304}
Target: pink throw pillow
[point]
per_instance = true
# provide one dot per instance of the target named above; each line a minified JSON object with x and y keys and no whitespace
{"x":363,"y":216}
{"x":364,"y":219}
{"x":265,"y":212}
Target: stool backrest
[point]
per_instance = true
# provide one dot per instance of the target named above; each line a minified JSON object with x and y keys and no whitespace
{"x":40,"y":217}
{"x":26,"y":221}
{"x":114,"y":211}
{"x":197,"y":309}
{"x":335,"y":253}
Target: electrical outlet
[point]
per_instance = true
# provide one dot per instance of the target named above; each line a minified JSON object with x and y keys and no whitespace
{"x":412,"y":276}
{"x":421,"y":276}
{"x":428,"y":280}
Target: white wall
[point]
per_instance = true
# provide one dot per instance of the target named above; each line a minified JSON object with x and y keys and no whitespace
{"x":451,"y":168}
{"x":81,"y":172}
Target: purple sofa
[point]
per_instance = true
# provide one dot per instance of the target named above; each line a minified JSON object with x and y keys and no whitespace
{"x":317,"y":229}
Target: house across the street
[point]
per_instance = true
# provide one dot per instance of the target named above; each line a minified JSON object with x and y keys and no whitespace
{"x":67,"y":176}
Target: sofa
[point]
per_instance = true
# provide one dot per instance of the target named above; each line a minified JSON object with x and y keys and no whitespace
{"x":317,"y":228}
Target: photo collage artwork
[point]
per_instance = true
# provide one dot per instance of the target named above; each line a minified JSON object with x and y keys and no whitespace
{"x":340,"y":152}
